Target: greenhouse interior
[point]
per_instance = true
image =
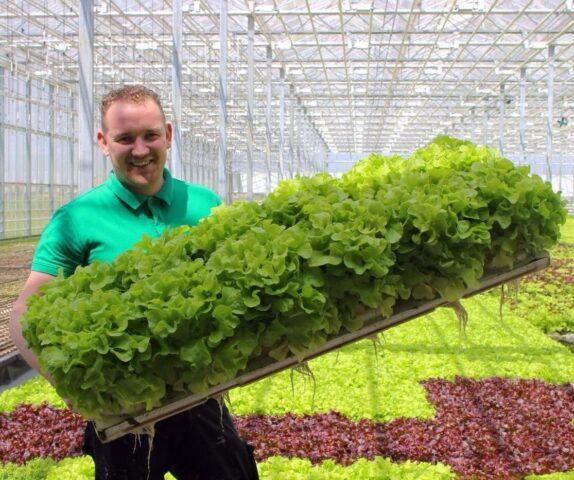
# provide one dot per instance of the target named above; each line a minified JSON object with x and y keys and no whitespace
{"x":344,"y":229}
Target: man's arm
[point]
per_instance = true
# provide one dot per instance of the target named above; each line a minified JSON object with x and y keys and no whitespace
{"x":30,"y":287}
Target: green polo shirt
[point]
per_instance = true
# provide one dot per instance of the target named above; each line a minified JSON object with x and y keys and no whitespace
{"x":108,"y":219}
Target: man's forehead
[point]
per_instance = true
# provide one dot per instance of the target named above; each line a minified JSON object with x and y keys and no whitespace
{"x":122,"y":113}
{"x":123,"y":108}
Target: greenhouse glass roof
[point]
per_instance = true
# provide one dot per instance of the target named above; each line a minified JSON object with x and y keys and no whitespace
{"x":380,"y":75}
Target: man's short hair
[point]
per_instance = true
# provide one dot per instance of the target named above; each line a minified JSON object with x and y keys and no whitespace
{"x":131,"y":94}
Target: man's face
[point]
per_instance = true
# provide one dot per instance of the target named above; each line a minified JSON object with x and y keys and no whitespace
{"x":136,"y":138}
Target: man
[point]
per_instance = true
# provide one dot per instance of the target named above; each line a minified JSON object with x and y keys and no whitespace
{"x":140,"y":196}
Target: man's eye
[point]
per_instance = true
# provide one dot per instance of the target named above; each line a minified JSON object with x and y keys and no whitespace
{"x":125,"y":140}
{"x":152,"y":136}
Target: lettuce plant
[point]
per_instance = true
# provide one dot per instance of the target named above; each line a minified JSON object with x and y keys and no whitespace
{"x":190,"y":309}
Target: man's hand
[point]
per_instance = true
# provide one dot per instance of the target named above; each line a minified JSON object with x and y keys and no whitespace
{"x":35,"y":280}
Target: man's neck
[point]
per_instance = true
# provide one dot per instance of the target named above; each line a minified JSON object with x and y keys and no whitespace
{"x":148,"y":190}
{"x":152,"y":190}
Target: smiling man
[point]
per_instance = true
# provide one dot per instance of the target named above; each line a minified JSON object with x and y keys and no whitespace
{"x":139,"y":197}
{"x":136,"y":137}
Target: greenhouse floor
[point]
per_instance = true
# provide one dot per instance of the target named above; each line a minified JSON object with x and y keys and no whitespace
{"x":15,"y":258}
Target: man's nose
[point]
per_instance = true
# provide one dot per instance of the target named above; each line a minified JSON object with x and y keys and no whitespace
{"x":140,"y":148}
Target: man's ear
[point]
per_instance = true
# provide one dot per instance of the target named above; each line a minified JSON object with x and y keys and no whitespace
{"x":168,"y":133}
{"x":102,"y":142}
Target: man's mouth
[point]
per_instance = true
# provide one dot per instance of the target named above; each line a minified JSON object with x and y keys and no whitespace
{"x":141,"y":163}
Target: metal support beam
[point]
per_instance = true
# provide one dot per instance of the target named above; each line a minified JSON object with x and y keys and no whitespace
{"x":281,"y":123}
{"x":299,"y":135}
{"x":29,"y":156}
{"x":305,"y":146}
{"x":51,"y":147}
{"x":224,"y":181}
{"x":186,"y":168}
{"x":269,"y":58}
{"x":314,"y":141}
{"x":71,"y":148}
{"x":307,"y":143}
{"x":2,"y":156}
{"x":201,"y":159}
{"x":86,"y":103}
{"x":311,"y":149}
{"x":485,"y":125}
{"x":522,"y":124}
{"x":302,"y":12}
{"x":292,"y":106}
{"x":313,"y":144}
{"x":176,"y":82}
{"x":472,"y":124}
{"x":250,"y":103}
{"x":560,"y":154}
{"x":501,"y":106}
{"x":203,"y":170}
{"x":188,"y":147}
{"x":317,"y":152}
{"x":550,"y":113}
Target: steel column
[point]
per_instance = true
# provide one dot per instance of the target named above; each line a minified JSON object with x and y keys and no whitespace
{"x":485,"y":125}
{"x":550,"y":113}
{"x":305,"y":146}
{"x":311,"y":149}
{"x":316,"y":150}
{"x":472,"y":126}
{"x":2,"y":156}
{"x":309,"y":144}
{"x":250,"y":103}
{"x":188,"y":148}
{"x":201,"y":160}
{"x":268,"y":121}
{"x":281,"y":122}
{"x":71,"y":146}
{"x":176,"y":82}
{"x":224,"y":180}
{"x":299,"y":125}
{"x":86,"y":103}
{"x":313,"y":143}
{"x":193,"y":159}
{"x":522,"y":124}
{"x":51,"y":155}
{"x":187,"y":173}
{"x":560,"y":154}
{"x":29,"y":156}
{"x":204,"y":170}
{"x":292,"y":105}
{"x":501,"y":105}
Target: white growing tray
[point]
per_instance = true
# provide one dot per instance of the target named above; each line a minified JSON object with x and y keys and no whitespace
{"x":263,"y":367}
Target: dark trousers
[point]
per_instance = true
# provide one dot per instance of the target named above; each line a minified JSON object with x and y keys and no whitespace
{"x":199,"y":444}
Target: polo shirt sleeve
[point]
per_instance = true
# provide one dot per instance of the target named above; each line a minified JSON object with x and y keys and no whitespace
{"x":59,"y":246}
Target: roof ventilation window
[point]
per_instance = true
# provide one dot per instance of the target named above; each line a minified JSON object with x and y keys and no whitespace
{"x":469,"y":6}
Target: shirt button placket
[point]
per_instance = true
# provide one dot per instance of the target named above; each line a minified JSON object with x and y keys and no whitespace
{"x":154,"y":214}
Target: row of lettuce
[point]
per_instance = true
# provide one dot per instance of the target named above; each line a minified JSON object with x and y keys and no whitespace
{"x":82,"y":468}
{"x":190,"y":309}
{"x":380,"y":469}
{"x":361,"y":381}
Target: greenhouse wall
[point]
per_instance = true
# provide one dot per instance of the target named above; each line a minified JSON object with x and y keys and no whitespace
{"x":37,"y":155}
{"x":39,"y":164}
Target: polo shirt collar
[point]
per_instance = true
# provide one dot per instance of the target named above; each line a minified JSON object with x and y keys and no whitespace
{"x":133,"y":199}
{"x":166,"y":191}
